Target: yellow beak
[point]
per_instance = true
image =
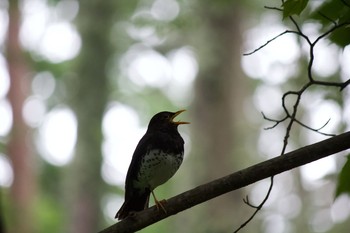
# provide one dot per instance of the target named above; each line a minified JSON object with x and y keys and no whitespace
{"x":178,"y":122}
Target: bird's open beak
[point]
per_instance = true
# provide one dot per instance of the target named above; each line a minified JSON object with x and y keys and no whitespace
{"x":178,"y":122}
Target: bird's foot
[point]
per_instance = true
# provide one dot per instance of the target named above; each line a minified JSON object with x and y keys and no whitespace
{"x":159,"y":204}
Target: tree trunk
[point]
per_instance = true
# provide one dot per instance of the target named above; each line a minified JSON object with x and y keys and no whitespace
{"x":219,"y":93}
{"x":19,"y":145}
{"x":89,"y":98}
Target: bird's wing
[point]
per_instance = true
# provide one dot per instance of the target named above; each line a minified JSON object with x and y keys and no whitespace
{"x":141,"y":149}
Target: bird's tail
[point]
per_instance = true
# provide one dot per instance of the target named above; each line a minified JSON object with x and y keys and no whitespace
{"x":133,"y":204}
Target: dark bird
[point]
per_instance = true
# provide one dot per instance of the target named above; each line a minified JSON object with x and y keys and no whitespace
{"x":157,"y":157}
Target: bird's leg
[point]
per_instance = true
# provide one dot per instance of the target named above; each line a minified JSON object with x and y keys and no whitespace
{"x":159,"y":203}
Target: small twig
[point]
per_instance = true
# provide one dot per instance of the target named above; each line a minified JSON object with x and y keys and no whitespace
{"x":300,"y":33}
{"x":332,"y":84}
{"x":269,"y":41}
{"x":246,"y":201}
{"x":257,"y":208}
{"x":329,"y":19}
{"x":345,"y":84}
{"x":277,"y":122}
{"x":337,"y":26}
{"x":345,"y":3}
{"x":285,"y":95}
{"x":316,"y":130}
{"x":273,"y":8}
{"x":292,"y":115}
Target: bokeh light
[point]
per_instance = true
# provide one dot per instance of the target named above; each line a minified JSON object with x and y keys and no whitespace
{"x":122,"y":131}
{"x":57,"y":136}
{"x":6,"y":173}
{"x":5,"y":117}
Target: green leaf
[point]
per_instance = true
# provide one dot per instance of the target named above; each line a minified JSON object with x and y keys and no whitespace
{"x":341,"y":36}
{"x":293,"y":7}
{"x":343,"y":186}
{"x":332,"y":13}
{"x":328,"y":12}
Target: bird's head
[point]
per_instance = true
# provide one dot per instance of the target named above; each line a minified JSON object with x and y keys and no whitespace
{"x":165,"y":120}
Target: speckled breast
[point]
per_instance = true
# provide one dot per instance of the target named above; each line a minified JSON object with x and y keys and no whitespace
{"x":157,"y":167}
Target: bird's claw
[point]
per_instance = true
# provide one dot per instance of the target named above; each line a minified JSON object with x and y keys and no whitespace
{"x":160,"y":205}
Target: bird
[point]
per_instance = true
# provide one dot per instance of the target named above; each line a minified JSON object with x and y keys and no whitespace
{"x":157,"y":157}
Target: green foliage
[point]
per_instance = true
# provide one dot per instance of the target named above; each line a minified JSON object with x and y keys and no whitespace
{"x":341,"y":36}
{"x":331,"y":13}
{"x":343,"y":186}
{"x":293,"y":7}
{"x":51,"y":214}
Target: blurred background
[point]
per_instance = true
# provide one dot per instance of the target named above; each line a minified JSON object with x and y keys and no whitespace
{"x":79,"y":81}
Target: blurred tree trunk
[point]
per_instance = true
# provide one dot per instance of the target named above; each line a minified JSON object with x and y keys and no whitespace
{"x":2,"y":224}
{"x":19,"y":148}
{"x":89,"y":98}
{"x":219,"y":122}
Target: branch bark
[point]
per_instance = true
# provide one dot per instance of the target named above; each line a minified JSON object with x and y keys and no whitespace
{"x":232,"y":182}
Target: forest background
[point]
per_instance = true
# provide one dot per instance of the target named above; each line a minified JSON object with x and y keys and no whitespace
{"x":79,"y":81}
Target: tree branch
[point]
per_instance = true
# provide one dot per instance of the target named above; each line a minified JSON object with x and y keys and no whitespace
{"x":293,"y":116}
{"x":232,"y":182}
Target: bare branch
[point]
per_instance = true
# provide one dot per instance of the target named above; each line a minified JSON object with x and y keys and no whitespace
{"x":345,"y":84}
{"x":257,"y":208}
{"x":328,"y":18}
{"x":246,"y":201}
{"x":273,"y":8}
{"x":232,"y":182}
{"x":345,"y":3}
{"x":316,"y":130}
{"x":337,"y":26}
{"x":292,"y":115}
{"x":277,"y":122}
{"x":299,"y":32}
{"x":269,"y":41}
